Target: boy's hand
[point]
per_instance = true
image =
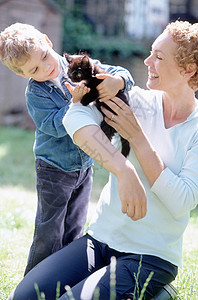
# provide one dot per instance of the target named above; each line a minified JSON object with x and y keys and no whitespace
{"x":78,"y":91}
{"x":110,"y":86}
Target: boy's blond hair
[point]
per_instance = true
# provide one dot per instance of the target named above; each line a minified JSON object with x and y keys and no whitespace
{"x":16,"y":43}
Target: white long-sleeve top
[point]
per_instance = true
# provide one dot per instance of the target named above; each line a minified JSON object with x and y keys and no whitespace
{"x":169,"y":200}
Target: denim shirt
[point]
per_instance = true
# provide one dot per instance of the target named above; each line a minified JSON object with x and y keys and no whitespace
{"x":47,"y":105}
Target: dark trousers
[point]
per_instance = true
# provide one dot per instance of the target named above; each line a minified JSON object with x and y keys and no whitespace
{"x":84,"y":265}
{"x":63,"y":199}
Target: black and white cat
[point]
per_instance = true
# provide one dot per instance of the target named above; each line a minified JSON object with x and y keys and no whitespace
{"x":82,"y":68}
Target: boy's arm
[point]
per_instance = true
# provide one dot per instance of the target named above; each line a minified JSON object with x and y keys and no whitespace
{"x":110,"y":86}
{"x":118,"y":71}
{"x":118,"y":79}
{"x":45,"y":113}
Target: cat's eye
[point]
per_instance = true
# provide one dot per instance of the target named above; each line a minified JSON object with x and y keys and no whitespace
{"x":79,"y":75}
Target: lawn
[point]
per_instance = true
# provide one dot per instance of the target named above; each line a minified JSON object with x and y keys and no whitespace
{"x":17,"y":212}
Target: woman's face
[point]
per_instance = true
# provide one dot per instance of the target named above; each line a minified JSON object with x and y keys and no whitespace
{"x":163,"y":71}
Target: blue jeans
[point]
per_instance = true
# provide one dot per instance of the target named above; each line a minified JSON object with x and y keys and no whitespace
{"x":63,"y":199}
{"x":84,"y":265}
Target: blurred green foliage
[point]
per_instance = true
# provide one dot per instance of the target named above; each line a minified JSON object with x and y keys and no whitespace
{"x":79,"y":35}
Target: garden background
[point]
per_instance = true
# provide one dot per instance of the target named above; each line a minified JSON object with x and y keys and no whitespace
{"x":18,"y":198}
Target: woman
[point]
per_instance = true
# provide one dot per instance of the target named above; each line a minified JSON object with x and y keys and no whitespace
{"x":144,"y":209}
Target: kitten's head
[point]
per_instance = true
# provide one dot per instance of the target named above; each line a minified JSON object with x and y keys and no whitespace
{"x":79,"y":68}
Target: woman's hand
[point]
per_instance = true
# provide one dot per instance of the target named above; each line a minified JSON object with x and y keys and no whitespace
{"x":132,"y":193}
{"x":126,"y":124}
{"x":78,"y":91}
{"x":110,"y":86}
{"x":124,"y":121}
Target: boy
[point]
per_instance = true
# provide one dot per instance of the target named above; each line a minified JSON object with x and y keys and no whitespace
{"x":64,"y":172}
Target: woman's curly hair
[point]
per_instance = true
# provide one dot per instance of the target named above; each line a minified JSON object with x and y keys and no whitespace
{"x":186,"y":36}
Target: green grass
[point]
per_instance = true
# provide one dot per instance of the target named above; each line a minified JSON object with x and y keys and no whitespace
{"x":18,"y":203}
{"x":16,"y":157}
{"x":17,"y":212}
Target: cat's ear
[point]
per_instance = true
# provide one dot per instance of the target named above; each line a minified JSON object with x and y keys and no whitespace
{"x":85,"y":61}
{"x":68,"y":57}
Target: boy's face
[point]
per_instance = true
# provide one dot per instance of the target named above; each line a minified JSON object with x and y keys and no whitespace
{"x":43,"y":64}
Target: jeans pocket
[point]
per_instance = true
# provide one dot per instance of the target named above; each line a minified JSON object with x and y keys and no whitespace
{"x":43,"y":164}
